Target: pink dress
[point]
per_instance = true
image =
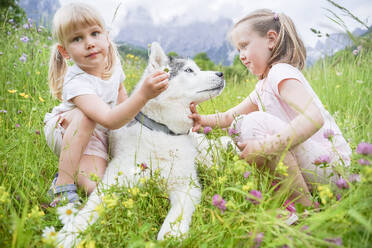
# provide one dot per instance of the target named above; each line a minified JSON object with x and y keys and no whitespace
{"x":274,"y":115}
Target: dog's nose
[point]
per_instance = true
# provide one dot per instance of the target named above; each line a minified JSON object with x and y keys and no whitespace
{"x":220,"y":74}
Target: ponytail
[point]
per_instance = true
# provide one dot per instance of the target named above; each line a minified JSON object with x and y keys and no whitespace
{"x":289,"y":47}
{"x":57,"y":71}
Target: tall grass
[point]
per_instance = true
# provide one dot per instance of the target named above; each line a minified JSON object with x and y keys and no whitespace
{"x":343,"y":83}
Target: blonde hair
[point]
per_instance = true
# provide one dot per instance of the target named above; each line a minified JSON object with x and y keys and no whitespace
{"x":67,"y":19}
{"x":289,"y":48}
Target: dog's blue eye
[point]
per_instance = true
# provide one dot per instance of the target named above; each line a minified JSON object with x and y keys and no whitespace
{"x":189,"y":70}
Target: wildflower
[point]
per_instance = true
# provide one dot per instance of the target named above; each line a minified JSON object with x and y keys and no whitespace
{"x":23,"y":58}
{"x":355,"y":52}
{"x":49,"y":38}
{"x":41,"y":99}
{"x":4,"y":195}
{"x":35,"y":213}
{"x":67,"y":213}
{"x":1,"y":53}
{"x":364,"y":148}
{"x":9,"y":33}
{"x":325,"y":193}
{"x":354,"y":178}
{"x":328,"y":134}
{"x":275,"y":185}
{"x":336,"y":241}
{"x":363,"y":161}
{"x":12,"y":91}
{"x":37,"y":73}
{"x":258,"y":239}
{"x":342,"y":184}
{"x":246,"y":174}
{"x":232,"y":131}
{"x":219,"y":202}
{"x":26,"y":26}
{"x":338,"y":197}
{"x":17,"y":125}
{"x":134,"y":191}
{"x":207,"y":130}
{"x":49,"y":235}
{"x":221,"y":180}
{"x":99,"y":209}
{"x":19,"y":112}
{"x":290,"y":206}
{"x":282,"y":169}
{"x":128,"y":204}
{"x":143,"y":166}
{"x":248,"y":186}
{"x":110,"y":200}
{"x":24,"y":39}
{"x":257,"y":196}
{"x":338,"y":73}
{"x":11,"y":21}
{"x":37,"y":132}
{"x":322,"y":160}
{"x":93,"y":177}
{"x":3,"y":111}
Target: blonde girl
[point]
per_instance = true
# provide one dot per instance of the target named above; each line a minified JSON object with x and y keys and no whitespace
{"x":282,"y":115}
{"x":93,"y":98}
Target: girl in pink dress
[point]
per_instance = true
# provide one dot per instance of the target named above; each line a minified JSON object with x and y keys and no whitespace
{"x":282,"y":115}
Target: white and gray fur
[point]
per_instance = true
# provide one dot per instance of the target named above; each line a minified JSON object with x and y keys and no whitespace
{"x":173,"y":155}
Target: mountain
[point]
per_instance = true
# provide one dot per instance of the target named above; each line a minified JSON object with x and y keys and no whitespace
{"x":41,"y":11}
{"x":332,"y":44}
{"x":184,"y":39}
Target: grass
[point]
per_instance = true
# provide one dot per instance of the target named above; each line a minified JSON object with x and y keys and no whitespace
{"x":27,"y":165}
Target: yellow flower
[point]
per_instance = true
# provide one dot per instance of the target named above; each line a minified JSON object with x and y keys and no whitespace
{"x":129,"y":203}
{"x":41,"y":99}
{"x":222,"y":179}
{"x":35,"y":213}
{"x":4,"y":195}
{"x":110,"y":200}
{"x":99,"y":209}
{"x":37,"y":73}
{"x":26,"y":96}
{"x":282,"y":169}
{"x":134,"y":191}
{"x":248,"y":186}
{"x":22,"y":94}
{"x":12,"y":91}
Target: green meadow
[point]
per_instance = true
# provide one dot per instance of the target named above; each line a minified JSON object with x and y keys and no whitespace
{"x":132,"y":218}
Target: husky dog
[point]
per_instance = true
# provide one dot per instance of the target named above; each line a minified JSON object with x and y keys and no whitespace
{"x":158,"y":136}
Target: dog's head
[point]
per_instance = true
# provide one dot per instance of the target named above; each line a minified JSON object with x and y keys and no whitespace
{"x":187,"y":84}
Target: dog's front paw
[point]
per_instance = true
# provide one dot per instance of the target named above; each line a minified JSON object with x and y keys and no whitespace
{"x":68,"y":237}
{"x":178,"y":230}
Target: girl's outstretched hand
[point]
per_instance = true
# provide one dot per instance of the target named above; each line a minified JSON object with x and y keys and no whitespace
{"x":154,"y":84}
{"x":195,"y":117}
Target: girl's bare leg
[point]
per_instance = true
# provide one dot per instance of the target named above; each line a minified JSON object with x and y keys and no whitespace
{"x":295,"y":181}
{"x":90,"y":164}
{"x":78,"y":130}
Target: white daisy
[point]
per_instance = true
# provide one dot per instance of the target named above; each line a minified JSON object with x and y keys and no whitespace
{"x":49,"y":235}
{"x":67,"y":213}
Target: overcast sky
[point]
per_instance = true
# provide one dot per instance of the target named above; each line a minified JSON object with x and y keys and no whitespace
{"x":306,"y":14}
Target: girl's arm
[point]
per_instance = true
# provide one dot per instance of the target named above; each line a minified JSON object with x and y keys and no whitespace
{"x":97,"y":110}
{"x":122,"y":94}
{"x":221,"y":119}
{"x":308,"y":121}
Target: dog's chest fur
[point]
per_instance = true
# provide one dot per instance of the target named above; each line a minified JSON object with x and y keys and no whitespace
{"x":137,"y":144}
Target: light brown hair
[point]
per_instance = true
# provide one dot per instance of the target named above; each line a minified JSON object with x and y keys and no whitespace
{"x":67,"y":19}
{"x":289,"y":48}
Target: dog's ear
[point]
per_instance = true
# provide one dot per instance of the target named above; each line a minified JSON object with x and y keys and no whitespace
{"x":157,"y":59}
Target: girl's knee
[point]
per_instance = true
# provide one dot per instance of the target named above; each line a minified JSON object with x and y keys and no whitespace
{"x":81,"y":120}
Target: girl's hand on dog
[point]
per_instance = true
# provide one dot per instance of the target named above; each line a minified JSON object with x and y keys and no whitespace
{"x":154,"y":84}
{"x":195,"y":116}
